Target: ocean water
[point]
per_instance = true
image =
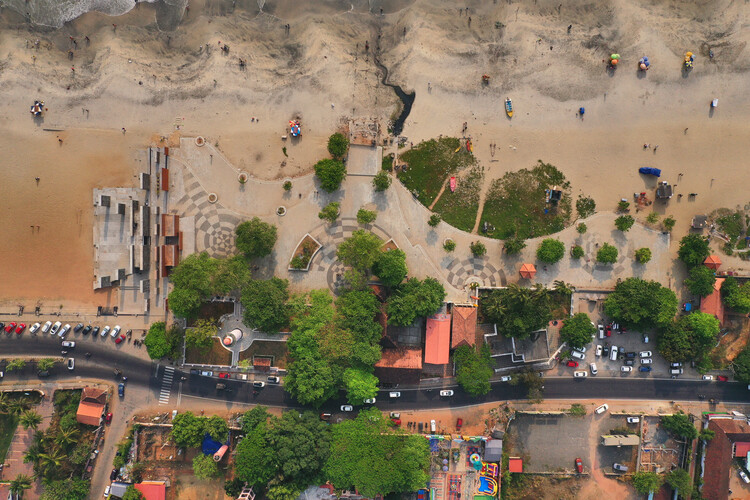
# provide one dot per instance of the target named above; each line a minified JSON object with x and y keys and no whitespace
{"x":55,"y":13}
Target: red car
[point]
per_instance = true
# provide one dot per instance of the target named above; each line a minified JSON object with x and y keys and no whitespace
{"x":223,"y":375}
{"x":579,"y":466}
{"x":120,"y":339}
{"x":459,"y":424}
{"x":722,"y":378}
{"x":572,"y":364}
{"x":609,"y":330}
{"x":108,"y":418}
{"x":10,"y":328}
{"x":21,"y":328}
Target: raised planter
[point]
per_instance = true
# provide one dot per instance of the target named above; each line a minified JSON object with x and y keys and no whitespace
{"x":200,"y":141}
{"x":213,"y":197}
{"x":243,"y":177}
{"x":281,"y":211}
{"x":389,"y":245}
{"x":304,"y":253}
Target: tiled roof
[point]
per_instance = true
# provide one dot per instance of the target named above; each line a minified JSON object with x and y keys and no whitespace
{"x":464,"y":326}
{"x":712,"y":304}
{"x":409,"y":359}
{"x":719,"y":456}
{"x":437,"y":340}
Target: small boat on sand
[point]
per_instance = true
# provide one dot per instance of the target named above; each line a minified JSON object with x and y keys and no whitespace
{"x":508,"y":107}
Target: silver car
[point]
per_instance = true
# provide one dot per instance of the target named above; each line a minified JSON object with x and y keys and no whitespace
{"x":105,"y":331}
{"x":55,"y":327}
{"x":115,"y":331}
{"x":64,"y":330}
{"x":34,"y":328}
{"x":46,"y":327}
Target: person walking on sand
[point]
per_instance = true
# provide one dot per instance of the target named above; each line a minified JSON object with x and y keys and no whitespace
{"x":655,"y":148}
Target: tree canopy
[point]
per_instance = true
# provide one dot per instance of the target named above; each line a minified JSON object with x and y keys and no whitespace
{"x":360,"y":385}
{"x":253,"y":460}
{"x":204,"y":466}
{"x":680,"y":480}
{"x":641,"y":304}
{"x":736,"y":297}
{"x":680,"y":425}
{"x":216,"y":427}
{"x":264,"y":302}
{"x":414,"y":298}
{"x":132,"y":494}
{"x":689,"y":338}
{"x":477,"y":248}
{"x":255,"y":238}
{"x":201,"y":335}
{"x":624,"y":222}
{"x":365,"y":217}
{"x":473,"y":369}
{"x":693,"y":250}
{"x":607,"y":254}
{"x":741,"y":366}
{"x":187,"y":429}
{"x":253,"y":418}
{"x":646,"y":482}
{"x":550,"y":250}
{"x":517,"y":311}
{"x":337,"y":145}
{"x":368,"y":455}
{"x":381,"y":181}
{"x":360,"y":251}
{"x":330,"y":173}
{"x":514,"y":245}
{"x":585,"y":206}
{"x":701,"y":281}
{"x":390,"y":267}
{"x":577,"y":330}
{"x":330,"y":212}
{"x":643,"y":255}
{"x":156,"y":342}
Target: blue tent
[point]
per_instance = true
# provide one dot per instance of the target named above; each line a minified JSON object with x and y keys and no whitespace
{"x":650,"y":171}
{"x":210,"y":445}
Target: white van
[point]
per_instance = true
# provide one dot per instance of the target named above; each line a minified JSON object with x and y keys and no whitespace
{"x":613,"y":353}
{"x":432,"y":426}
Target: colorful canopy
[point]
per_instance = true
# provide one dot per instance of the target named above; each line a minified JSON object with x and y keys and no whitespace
{"x":528,"y":271}
{"x":712,"y":262}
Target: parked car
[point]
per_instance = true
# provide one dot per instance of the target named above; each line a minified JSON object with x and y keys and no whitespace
{"x":645,"y":354}
{"x":207,"y":373}
{"x":708,"y":377}
{"x":620,"y":467}
{"x":579,"y":465}
{"x":115,"y":331}
{"x":347,"y":408}
{"x":106,"y":490}
{"x":86,"y":330}
{"x":722,"y":378}
{"x":601,"y":409}
{"x":20,"y":328}
{"x":121,"y":390}
{"x":394,"y":394}
{"x":105,"y":331}
{"x":505,"y":378}
{"x":647,"y":361}
{"x":34,"y":328}
{"x":55,"y":328}
{"x":446,"y":393}
{"x":598,"y":351}
{"x":9,"y":328}
{"x":63,"y":331}
{"x":608,"y":331}
{"x":626,"y":369}
{"x":675,"y":365}
{"x":645,"y":338}
{"x":577,"y":355}
{"x":633,"y":420}
{"x":593,"y":369}
{"x":258,"y":383}
{"x":68,"y":344}
{"x":630,"y":355}
{"x":459,"y":424}
{"x":113,"y":475}
{"x":46,"y":327}
{"x":108,"y":418}
{"x":613,"y":353}
{"x":601,"y":331}
{"x":370,"y":401}
{"x":572,"y":364}
{"x":580,"y":374}
{"x":644,"y":369}
{"x":605,"y":351}
{"x":273,"y":379}
{"x":120,"y":339}
{"x":78,"y":327}
{"x":325,"y":416}
{"x":223,"y":375}
{"x":581,"y":349}
{"x":744,"y":476}
{"x":433,"y":426}
{"x":676,"y":371}
{"x":629,"y":362}
{"x":71,"y":364}
{"x":42,"y":373}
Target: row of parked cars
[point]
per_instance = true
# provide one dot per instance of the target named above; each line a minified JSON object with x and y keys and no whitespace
{"x":61,"y":330}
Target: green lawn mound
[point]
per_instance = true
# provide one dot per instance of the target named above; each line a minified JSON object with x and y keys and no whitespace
{"x":515,"y":203}
{"x":430,"y":163}
{"x":459,"y":209}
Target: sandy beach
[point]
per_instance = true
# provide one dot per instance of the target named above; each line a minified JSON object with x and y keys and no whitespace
{"x":156,"y":83}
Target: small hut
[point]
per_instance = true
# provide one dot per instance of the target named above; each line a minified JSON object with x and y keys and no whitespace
{"x":699,"y":222}
{"x":712,"y":262}
{"x":528,"y":271}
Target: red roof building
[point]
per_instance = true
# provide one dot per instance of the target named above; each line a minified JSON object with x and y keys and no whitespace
{"x":91,"y":406}
{"x":464,"y":326}
{"x":397,"y":366}
{"x":152,"y":490}
{"x":515,"y":464}
{"x":437,"y":339}
{"x":719,"y":453}
{"x":712,"y":304}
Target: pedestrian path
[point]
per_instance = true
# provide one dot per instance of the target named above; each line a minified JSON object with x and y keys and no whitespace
{"x":166,"y":385}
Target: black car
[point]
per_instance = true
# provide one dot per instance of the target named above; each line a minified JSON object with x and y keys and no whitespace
{"x":95,"y":331}
{"x":630,"y":355}
{"x":194,"y":371}
{"x":78,"y":327}
{"x":605,"y":351}
{"x":2,"y":325}
{"x":629,"y":362}
{"x":86,"y":330}
{"x":121,"y":390}
{"x":113,"y":475}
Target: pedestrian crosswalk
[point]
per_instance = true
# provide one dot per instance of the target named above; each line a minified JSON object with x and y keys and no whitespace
{"x":166,"y":385}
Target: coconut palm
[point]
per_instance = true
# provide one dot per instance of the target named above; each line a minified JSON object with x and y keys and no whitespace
{"x":50,"y":462}
{"x":66,"y":437}
{"x":30,"y":419}
{"x":20,"y":483}
{"x":562,"y":287}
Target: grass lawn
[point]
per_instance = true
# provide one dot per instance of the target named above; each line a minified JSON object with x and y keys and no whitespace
{"x":516,"y":204}
{"x":277,"y":350}
{"x":430,"y":163}
{"x":459,"y":209}
{"x":217,"y":355}
{"x":8,"y":424}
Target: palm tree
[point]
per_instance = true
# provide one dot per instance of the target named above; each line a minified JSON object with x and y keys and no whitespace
{"x":50,"y":462}
{"x":4,"y":400}
{"x":563,"y":288}
{"x":30,"y":419}
{"x":66,"y":437}
{"x":20,"y":483}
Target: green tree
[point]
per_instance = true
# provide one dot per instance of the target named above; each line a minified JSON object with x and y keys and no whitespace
{"x":255,"y":238}
{"x":30,"y":419}
{"x":15,"y":364}
{"x":264,"y":302}
{"x":623,"y":206}
{"x":204,"y":466}
{"x":679,"y":479}
{"x":473,"y":369}
{"x":365,"y":217}
{"x":680,"y":425}
{"x":330,"y":173}
{"x":693,"y":250}
{"x":434,"y":220}
{"x":514,"y":245}
{"x":19,"y":484}
{"x":533,"y":382}
{"x":477,"y":248}
{"x":391,"y":267}
{"x":368,"y":455}
{"x":287,"y":187}
{"x":253,"y":460}
{"x":706,"y":435}
{"x":132,"y":494}
{"x":646,"y":482}
{"x":577,"y":252}
{"x":330,"y":212}
{"x":643,"y":255}
{"x":192,"y":279}
{"x":414,"y":298}
{"x":577,"y":330}
{"x":449,"y":245}
{"x":652,"y":218}
{"x":585,"y":206}
{"x":66,"y":489}
{"x":607,"y":254}
{"x":231,"y":275}
{"x":517,"y":311}
{"x":301,"y":446}
{"x":360,"y":385}
{"x":156,"y":340}
{"x":381,"y":181}
{"x":337,"y":145}
{"x":253,"y":418}
{"x":641,"y":304}
{"x":689,"y":338}
{"x":45,"y":364}
{"x":188,"y":430}
{"x":201,"y":335}
{"x":284,"y":492}
{"x":360,"y":251}
{"x":741,"y":366}
{"x":624,"y":222}
{"x":701,"y":281}
{"x":184,"y":302}
{"x":669,"y":223}
{"x":736,"y":297}
{"x":550,"y":250}
{"x":216,"y":427}
{"x":582,"y":228}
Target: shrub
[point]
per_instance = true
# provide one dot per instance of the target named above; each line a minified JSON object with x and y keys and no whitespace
{"x":577,"y":252}
{"x":581,"y":228}
{"x":434,"y":220}
{"x":577,"y":410}
{"x":381,"y":181}
{"x":550,"y":250}
{"x":693,"y":250}
{"x":337,"y":145}
{"x":287,"y":185}
{"x":668,"y":223}
{"x":478,"y":249}
{"x":624,"y":222}
{"x":330,"y":173}
{"x":585,"y":206}
{"x":643,"y":255}
{"x":652,"y":218}
{"x":607,"y":254}
{"x":330,"y":212}
{"x":366,"y":216}
{"x":514,"y":245}
{"x":623,"y":206}
{"x":449,"y":245}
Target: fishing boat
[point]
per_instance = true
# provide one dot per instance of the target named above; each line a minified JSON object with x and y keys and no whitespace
{"x":508,"y":107}
{"x":453,"y":184}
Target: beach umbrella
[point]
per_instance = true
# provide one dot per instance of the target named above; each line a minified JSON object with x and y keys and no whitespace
{"x":712,"y":262}
{"x":528,"y":271}
{"x":614,"y":62}
{"x":643,"y":66}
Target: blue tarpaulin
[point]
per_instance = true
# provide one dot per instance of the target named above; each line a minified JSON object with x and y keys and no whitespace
{"x":210,"y":446}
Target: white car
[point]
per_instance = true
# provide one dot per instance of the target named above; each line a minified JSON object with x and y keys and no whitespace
{"x":71,"y":363}
{"x":446,"y":393}
{"x":581,"y":349}
{"x":115,"y":331}
{"x":106,"y":490}
{"x":347,"y":408}
{"x":744,"y":476}
{"x":394,"y":394}
{"x":580,"y":374}
{"x":69,"y":344}
{"x":64,"y":330}
{"x":46,"y":327}
{"x":505,"y":378}
{"x":598,"y":351}
{"x":105,"y":331}
{"x":626,"y":369}
{"x":593,"y":368}
{"x":601,"y":331}
{"x":601,"y":409}
{"x":633,"y":420}
{"x":645,"y":338}
{"x":34,"y":328}
{"x":647,"y":361}
{"x":645,"y":354}
{"x":370,"y":401}
{"x":708,"y":377}
{"x":613,"y":353}
{"x":577,"y":355}
{"x":55,"y":327}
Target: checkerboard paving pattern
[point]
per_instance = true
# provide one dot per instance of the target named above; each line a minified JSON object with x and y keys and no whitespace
{"x":459,"y":271}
